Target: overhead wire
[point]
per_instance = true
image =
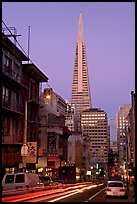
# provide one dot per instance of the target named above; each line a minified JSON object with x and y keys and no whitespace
{"x":15,"y":39}
{"x":20,"y":46}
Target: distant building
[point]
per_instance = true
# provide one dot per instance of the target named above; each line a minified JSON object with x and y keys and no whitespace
{"x":132,"y":122}
{"x":53,"y":133}
{"x":121,"y":124}
{"x":70,"y":116}
{"x":75,"y":152}
{"x":94,"y":123}
{"x":130,"y":140}
{"x":86,"y":164}
{"x":114,"y":147}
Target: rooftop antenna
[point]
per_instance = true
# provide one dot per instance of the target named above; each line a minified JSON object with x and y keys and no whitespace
{"x":8,"y":31}
{"x":28,"y":42}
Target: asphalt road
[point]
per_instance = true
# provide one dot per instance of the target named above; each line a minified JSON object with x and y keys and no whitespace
{"x":93,"y":195}
{"x":84,"y":192}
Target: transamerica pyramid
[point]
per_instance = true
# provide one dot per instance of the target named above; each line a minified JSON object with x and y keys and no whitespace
{"x":80,"y":87}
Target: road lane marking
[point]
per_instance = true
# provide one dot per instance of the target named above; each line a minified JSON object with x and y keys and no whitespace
{"x":96,"y":194}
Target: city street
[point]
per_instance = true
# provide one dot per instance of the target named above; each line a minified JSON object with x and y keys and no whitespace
{"x":82,"y":192}
{"x":68,"y":102}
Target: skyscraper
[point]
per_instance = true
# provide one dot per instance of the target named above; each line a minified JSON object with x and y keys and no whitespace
{"x":94,"y":123}
{"x":80,"y":86}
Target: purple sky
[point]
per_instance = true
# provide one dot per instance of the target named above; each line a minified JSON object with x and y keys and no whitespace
{"x":109,"y":33}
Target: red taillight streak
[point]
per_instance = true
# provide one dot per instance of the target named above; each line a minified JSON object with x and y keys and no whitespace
{"x":18,"y":198}
{"x":51,"y":196}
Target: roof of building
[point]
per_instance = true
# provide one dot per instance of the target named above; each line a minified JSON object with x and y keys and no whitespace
{"x":11,"y":47}
{"x":93,"y":110}
{"x":35,"y":72}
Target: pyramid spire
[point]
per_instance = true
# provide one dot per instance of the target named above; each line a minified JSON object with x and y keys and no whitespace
{"x":80,"y":37}
{"x":80,"y":86}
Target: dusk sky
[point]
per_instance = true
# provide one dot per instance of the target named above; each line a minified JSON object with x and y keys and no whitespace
{"x":109,"y":33}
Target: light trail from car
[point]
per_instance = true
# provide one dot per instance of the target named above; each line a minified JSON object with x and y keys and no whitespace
{"x":78,"y":191}
{"x":63,"y":194}
{"x":50,"y":194}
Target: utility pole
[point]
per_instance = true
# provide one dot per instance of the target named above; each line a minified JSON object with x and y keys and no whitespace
{"x":28,"y":42}
{"x":24,"y":149}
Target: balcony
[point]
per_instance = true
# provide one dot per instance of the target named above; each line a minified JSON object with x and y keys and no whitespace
{"x":9,"y":72}
{"x":12,"y":106}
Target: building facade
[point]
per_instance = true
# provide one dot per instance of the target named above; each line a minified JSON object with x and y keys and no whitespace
{"x":12,"y":105}
{"x":121,"y":124}
{"x":94,"y":123}
{"x":113,"y":147}
{"x":20,"y":86}
{"x":70,"y":116}
{"x":75,"y":153}
{"x":132,"y":122}
{"x":130,"y":142}
{"x":53,"y":133}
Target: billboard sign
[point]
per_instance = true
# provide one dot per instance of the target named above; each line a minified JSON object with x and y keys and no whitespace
{"x":31,"y":156}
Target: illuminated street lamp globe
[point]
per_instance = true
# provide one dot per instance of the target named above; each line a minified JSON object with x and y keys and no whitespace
{"x":24,"y":150}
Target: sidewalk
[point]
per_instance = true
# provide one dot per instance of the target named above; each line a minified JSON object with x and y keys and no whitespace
{"x":130,"y":193}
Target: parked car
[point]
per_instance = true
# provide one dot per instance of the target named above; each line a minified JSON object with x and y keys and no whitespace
{"x":13,"y":181}
{"x":47,"y":181}
{"x":115,"y":188}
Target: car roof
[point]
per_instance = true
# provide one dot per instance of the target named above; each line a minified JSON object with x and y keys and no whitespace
{"x":115,"y":181}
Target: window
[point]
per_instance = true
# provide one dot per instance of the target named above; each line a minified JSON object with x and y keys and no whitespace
{"x":9,"y":179}
{"x":19,"y":178}
{"x":7,"y":61}
{"x":6,"y":125}
{"x":14,"y":99}
{"x":114,"y":184}
{"x":16,"y":70}
{"x":5,"y":94}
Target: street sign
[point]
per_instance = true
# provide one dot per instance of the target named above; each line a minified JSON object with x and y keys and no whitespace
{"x":31,"y":156}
